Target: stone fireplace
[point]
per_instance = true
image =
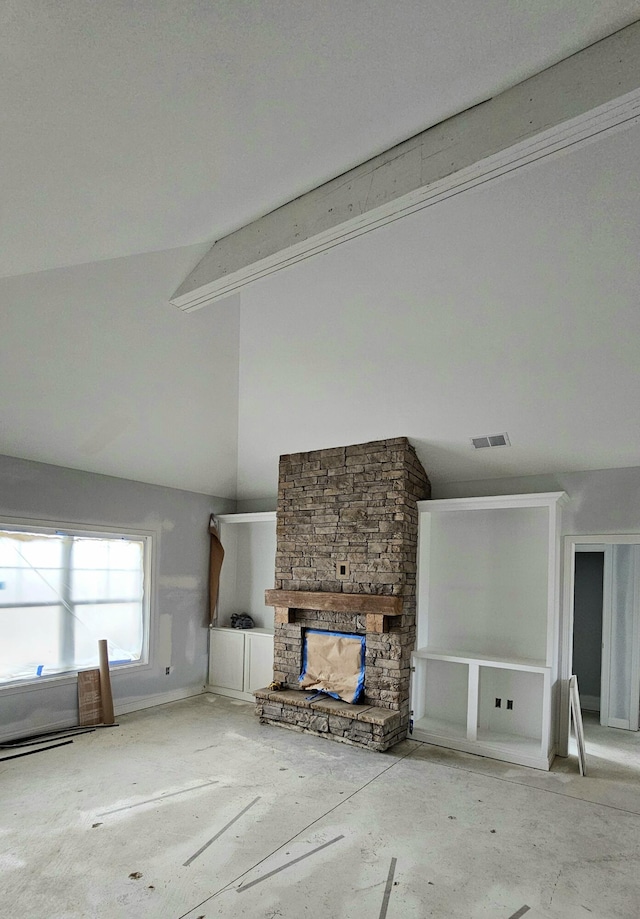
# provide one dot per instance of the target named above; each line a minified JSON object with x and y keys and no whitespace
{"x":347,"y":527}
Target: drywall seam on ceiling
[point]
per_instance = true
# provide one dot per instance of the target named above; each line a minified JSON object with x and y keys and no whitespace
{"x":590,"y":94}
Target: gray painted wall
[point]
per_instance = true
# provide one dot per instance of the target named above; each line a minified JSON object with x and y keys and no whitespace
{"x":179,"y":634}
{"x":101,"y":373}
{"x":602,"y":501}
{"x":587,"y":624}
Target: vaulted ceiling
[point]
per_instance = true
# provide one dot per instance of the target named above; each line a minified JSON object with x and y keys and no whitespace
{"x":134,"y":135}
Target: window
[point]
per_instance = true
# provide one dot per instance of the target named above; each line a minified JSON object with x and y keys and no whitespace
{"x":62,"y":591}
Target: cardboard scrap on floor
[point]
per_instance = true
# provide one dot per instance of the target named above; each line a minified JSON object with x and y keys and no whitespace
{"x":89,"y":697}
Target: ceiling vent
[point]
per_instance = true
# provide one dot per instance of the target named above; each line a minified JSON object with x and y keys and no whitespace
{"x":491,"y":440}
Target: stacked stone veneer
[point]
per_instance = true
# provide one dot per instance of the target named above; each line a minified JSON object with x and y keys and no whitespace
{"x":355,"y":504}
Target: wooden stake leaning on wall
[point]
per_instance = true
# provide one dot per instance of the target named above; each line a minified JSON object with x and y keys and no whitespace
{"x":105,"y":683}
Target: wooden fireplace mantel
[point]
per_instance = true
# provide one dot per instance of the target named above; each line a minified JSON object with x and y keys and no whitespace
{"x":373,"y":606}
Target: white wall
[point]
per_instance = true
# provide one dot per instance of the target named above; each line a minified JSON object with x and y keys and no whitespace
{"x":602,"y":501}
{"x":99,"y":372}
{"x":484,"y":571}
{"x":179,"y":638}
{"x":513,"y":307}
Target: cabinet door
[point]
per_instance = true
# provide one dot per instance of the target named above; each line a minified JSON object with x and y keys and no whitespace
{"x":258,"y":661}
{"x":226,"y":659}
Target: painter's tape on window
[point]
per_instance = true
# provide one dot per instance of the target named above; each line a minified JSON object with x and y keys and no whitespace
{"x":333,"y":663}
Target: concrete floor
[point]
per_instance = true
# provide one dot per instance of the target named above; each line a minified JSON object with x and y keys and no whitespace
{"x":299,"y":826}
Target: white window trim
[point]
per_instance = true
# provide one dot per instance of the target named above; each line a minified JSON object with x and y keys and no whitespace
{"x":81,"y":528}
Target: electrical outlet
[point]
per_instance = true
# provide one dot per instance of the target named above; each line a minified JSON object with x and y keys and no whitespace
{"x":167,"y":670}
{"x":510,"y":705}
{"x":342,"y":570}
{"x":498,"y":703}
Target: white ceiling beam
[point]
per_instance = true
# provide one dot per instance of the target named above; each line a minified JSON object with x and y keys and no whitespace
{"x":583,"y":97}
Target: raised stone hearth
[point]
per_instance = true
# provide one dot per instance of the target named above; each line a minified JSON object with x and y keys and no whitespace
{"x":364,"y":725}
{"x":347,"y":528}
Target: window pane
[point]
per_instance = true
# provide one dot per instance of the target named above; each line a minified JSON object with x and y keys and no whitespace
{"x":90,"y":553}
{"x":26,"y":550}
{"x":106,"y":585}
{"x":122,"y":623}
{"x":29,"y":639}
{"x":126,"y":554}
{"x":124,"y":585}
{"x":60,"y":594}
{"x":39,"y":551}
{"x":88,"y":584}
{"x":24,"y":585}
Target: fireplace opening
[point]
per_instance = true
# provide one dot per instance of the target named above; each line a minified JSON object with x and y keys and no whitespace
{"x":333,"y":663}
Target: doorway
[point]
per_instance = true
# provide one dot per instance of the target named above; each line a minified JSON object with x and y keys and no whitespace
{"x":601,"y":606}
{"x":588,"y":596}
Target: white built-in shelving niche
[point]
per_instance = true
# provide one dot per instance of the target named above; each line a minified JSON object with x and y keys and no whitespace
{"x":248,"y":569}
{"x":488,"y":626}
{"x":242,"y":660}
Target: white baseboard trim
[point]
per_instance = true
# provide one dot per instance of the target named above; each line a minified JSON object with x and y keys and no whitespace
{"x":589,"y":703}
{"x":160,"y":698}
{"x":121,"y":708}
{"x":231,"y":693}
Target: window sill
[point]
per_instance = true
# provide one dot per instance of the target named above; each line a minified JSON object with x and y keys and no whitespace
{"x":54,"y":681}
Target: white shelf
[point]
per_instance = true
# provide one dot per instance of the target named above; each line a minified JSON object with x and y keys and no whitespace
{"x":518,"y":750}
{"x":465,"y":657}
{"x":439,"y":727}
{"x":249,"y":517}
{"x":488,"y":626}
{"x":503,"y":740}
{"x":254,"y":631}
{"x":493,"y":502}
{"x":248,"y":569}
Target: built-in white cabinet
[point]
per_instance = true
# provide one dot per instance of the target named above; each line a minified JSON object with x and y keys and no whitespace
{"x":248,"y":569}
{"x":241,"y":660}
{"x":485,"y":672}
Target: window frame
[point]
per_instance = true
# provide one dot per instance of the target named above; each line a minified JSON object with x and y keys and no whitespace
{"x":82,"y":529}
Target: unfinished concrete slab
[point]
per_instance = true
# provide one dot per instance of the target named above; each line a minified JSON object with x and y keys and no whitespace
{"x":194,"y":809}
